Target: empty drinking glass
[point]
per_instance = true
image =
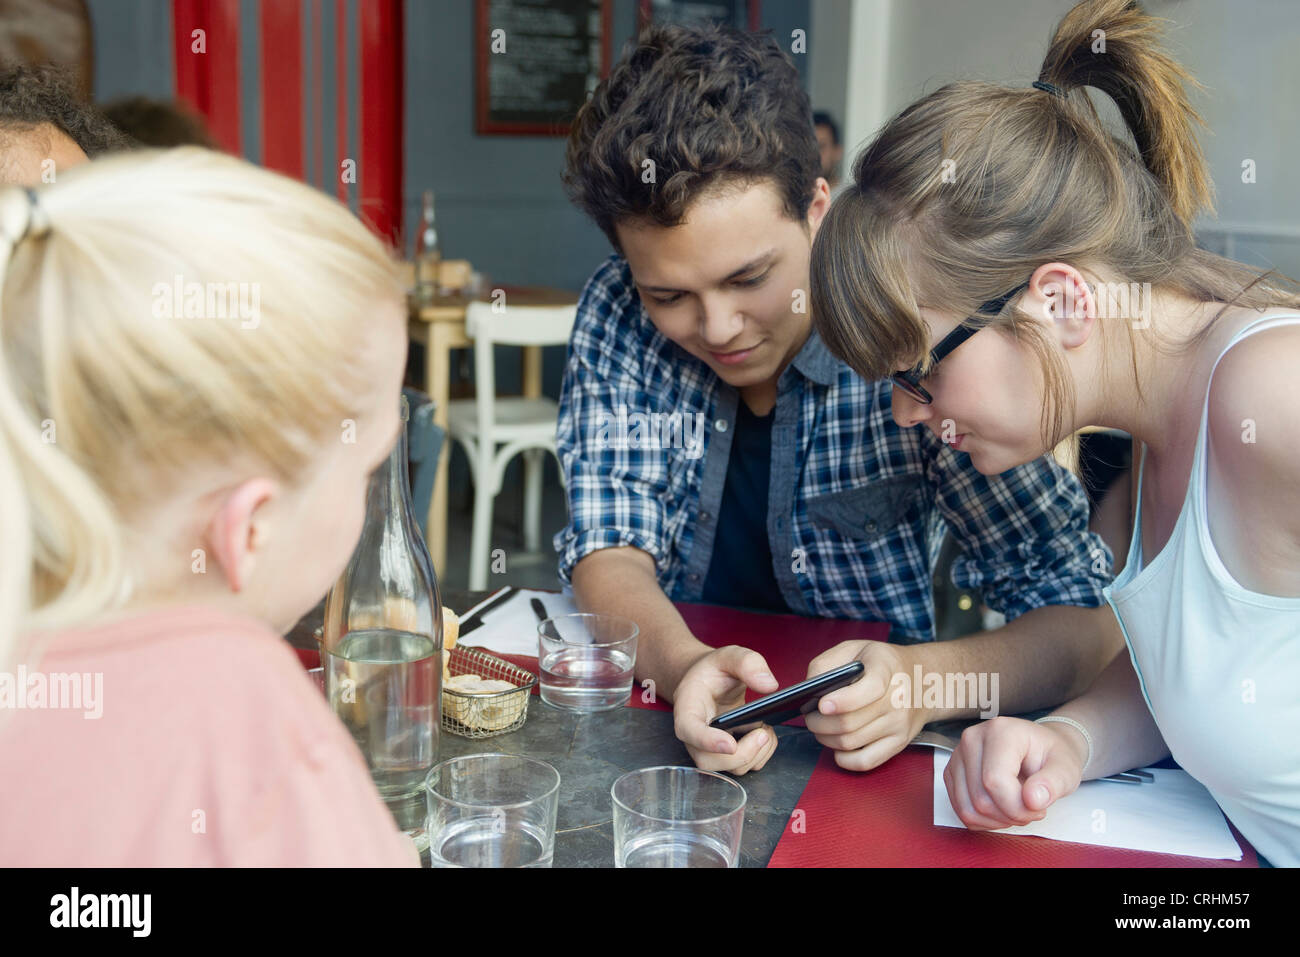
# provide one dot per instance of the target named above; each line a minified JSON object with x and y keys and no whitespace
{"x":586,"y":661}
{"x":677,"y":817}
{"x":492,"y":810}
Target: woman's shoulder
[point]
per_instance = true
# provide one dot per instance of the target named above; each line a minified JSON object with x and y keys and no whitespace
{"x":1254,"y":404}
{"x":195,"y":715}
{"x":206,"y":641}
{"x":203,"y":667}
{"x":1257,"y":376}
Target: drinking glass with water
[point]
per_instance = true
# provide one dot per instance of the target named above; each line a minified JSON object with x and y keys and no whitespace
{"x":587,"y":661}
{"x":492,"y":810}
{"x":677,"y":817}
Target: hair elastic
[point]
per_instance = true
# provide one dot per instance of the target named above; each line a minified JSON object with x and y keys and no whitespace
{"x":34,"y":223}
{"x":1049,"y":88}
{"x":38,"y":224}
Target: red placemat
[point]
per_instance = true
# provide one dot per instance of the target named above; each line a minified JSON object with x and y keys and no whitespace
{"x":786,"y":642}
{"x":885,"y":818}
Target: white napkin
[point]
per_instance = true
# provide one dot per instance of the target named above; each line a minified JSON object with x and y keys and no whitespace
{"x":1175,"y":815}
{"x":511,"y":627}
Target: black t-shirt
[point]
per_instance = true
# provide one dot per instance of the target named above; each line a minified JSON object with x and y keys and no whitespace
{"x":740,"y":571}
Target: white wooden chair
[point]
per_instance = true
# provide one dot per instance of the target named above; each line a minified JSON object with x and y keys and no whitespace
{"x":494,"y":430}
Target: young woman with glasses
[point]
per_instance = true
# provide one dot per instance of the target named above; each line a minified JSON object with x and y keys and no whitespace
{"x":1037,"y":275}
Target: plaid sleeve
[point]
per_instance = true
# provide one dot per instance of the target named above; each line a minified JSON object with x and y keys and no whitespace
{"x":615,"y":493}
{"x":1023,"y":534}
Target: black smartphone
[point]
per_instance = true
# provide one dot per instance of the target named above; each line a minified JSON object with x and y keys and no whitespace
{"x":781,"y":706}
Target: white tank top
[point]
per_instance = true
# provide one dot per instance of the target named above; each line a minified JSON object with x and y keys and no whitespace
{"x":1219,"y":664}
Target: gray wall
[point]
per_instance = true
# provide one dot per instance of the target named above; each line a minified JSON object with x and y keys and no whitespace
{"x":133,"y":48}
{"x":828,"y":53}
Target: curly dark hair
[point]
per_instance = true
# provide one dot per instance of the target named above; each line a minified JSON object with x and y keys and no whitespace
{"x":704,"y":103}
{"x":31,"y":96}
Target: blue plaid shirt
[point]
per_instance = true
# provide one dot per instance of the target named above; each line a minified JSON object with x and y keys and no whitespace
{"x":857,"y":507}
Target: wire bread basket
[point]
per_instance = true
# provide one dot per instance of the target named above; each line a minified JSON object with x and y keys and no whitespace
{"x":493,"y":713}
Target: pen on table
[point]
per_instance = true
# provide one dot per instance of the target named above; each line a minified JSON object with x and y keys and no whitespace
{"x":539,"y":609}
{"x":475,"y":620}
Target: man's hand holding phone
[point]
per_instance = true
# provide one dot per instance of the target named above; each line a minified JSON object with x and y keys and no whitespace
{"x":715,"y":684}
{"x":858,"y":721}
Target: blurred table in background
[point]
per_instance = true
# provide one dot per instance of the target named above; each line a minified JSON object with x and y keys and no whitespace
{"x":439,"y":325}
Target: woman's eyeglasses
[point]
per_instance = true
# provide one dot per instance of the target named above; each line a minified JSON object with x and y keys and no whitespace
{"x":910,"y":381}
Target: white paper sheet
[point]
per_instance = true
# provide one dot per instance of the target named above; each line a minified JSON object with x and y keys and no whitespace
{"x":1175,"y":815}
{"x":511,"y":627}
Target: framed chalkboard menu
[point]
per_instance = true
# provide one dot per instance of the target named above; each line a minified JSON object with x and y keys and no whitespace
{"x":537,"y":61}
{"x":743,"y":14}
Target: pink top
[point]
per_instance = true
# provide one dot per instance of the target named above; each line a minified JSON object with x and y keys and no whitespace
{"x":213,"y":748}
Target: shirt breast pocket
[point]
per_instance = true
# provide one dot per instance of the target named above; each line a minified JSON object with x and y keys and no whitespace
{"x":868,"y":512}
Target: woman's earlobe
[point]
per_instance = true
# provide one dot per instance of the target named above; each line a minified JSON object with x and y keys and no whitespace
{"x":1075,"y":329}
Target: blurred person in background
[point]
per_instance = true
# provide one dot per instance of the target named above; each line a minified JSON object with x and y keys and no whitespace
{"x":830,"y":149}
{"x":157,"y":122}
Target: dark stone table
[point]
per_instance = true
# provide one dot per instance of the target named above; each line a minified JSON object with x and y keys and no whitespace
{"x":591,"y":750}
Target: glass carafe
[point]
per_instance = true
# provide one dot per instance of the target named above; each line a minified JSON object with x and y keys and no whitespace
{"x":383,"y":645}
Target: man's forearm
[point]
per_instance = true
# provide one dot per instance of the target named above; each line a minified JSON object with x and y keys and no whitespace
{"x":1044,"y":657}
{"x":622,"y":581}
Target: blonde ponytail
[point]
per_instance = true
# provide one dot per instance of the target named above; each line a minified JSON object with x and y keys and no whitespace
{"x":48,"y":502}
{"x":1114,"y":46}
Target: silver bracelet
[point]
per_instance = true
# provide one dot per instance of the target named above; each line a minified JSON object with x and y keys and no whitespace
{"x":1077,"y":727}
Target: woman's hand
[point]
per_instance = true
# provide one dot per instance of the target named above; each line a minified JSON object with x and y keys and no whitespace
{"x":1008,"y":771}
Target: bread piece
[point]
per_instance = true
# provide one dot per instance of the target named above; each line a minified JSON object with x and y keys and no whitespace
{"x":465,"y":704}
{"x":450,"y":629}
{"x":473,"y":684}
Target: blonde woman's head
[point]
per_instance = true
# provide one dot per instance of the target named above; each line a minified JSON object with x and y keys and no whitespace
{"x":200,"y":365}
